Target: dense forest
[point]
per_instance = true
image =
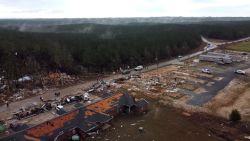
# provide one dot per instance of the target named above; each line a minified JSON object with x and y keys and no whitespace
{"x":98,"y":48}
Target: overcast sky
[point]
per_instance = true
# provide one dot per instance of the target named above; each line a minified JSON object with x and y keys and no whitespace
{"x":122,"y":8}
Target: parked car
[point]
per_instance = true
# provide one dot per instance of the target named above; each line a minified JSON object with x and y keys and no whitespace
{"x":86,"y":96}
{"x":59,"y":107}
{"x":240,"y":72}
{"x":206,"y":70}
{"x":138,"y":68}
{"x":71,"y":99}
{"x":24,"y":79}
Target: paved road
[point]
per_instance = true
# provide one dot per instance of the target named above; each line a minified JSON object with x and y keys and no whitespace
{"x":73,"y":89}
{"x":14,"y":106}
{"x":228,"y":76}
{"x":223,"y":43}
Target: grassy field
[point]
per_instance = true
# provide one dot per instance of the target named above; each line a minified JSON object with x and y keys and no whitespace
{"x":244,"y":46}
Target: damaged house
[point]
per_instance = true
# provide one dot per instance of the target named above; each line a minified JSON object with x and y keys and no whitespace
{"x":80,"y":122}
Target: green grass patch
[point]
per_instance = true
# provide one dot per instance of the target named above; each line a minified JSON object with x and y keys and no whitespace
{"x":243,"y":46}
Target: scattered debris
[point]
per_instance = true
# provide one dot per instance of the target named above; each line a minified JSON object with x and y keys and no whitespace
{"x":186,"y":114}
{"x":106,"y":126}
{"x":133,"y":124}
{"x":247,"y":137}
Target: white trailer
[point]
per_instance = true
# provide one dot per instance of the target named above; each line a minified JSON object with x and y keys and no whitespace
{"x":216,"y":59}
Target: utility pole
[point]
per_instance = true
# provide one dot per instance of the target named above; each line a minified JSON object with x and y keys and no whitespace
{"x":224,"y":49}
{"x":157,"y":63}
{"x":16,"y":69}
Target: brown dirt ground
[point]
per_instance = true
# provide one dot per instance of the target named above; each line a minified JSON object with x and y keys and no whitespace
{"x":220,"y":127}
{"x":163,"y":70}
{"x":234,"y":96}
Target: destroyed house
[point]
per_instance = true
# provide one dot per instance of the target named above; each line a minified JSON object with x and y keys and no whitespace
{"x":77,"y":123}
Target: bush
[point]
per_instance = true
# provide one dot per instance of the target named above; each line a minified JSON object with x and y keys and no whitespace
{"x":235,"y":116}
{"x":2,"y":128}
